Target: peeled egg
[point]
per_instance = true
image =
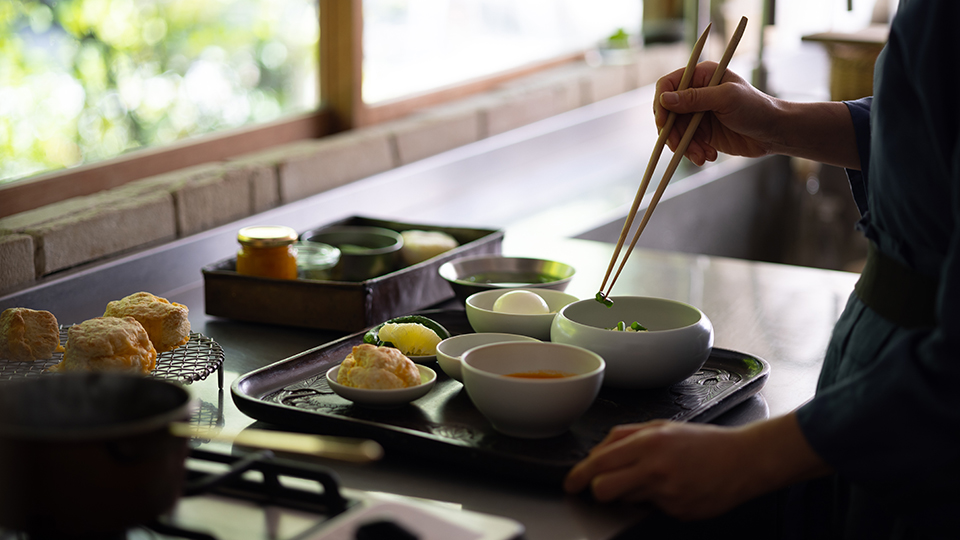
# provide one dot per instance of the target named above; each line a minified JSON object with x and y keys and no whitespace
{"x":522,"y":303}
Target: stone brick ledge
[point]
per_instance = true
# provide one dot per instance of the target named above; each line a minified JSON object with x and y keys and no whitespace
{"x":17,"y":269}
{"x":187,"y":201}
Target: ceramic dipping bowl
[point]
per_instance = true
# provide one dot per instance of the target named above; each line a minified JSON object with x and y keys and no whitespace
{"x":470,"y":275}
{"x":678,"y":341}
{"x":532,"y":390}
{"x":365,"y":252}
{"x":450,"y":351}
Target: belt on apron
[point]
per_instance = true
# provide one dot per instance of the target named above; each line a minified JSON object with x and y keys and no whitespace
{"x":896,"y":292}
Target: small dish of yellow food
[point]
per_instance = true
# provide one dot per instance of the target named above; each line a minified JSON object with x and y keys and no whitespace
{"x":377,"y":368}
{"x":380,"y":377}
{"x":108,"y":344}
{"x":415,"y":336}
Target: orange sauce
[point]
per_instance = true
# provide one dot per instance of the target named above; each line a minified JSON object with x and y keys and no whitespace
{"x":272,"y":262}
{"x":542,"y":374}
{"x":267,"y":251}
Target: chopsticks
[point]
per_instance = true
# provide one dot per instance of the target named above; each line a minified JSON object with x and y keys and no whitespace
{"x":658,"y":150}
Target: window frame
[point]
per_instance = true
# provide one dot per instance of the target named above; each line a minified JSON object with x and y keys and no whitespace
{"x":341,"y":108}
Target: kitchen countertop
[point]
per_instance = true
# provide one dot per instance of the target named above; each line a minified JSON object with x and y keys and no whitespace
{"x":586,"y":162}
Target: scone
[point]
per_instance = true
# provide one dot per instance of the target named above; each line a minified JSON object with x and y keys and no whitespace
{"x":377,"y":368}
{"x":165,"y":322}
{"x":27,"y":335}
{"x":108,"y":344}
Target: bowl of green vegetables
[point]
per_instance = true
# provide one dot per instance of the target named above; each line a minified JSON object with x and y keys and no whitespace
{"x":646,"y":342}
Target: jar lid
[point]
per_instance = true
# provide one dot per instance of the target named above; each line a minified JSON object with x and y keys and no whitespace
{"x":267,"y":236}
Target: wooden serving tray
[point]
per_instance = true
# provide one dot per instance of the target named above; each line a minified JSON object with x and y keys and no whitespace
{"x":444,"y":424}
{"x":341,"y":305}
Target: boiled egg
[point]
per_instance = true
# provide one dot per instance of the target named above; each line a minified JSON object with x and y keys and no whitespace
{"x":521,"y":303}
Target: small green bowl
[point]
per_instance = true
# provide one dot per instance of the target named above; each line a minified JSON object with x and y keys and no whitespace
{"x":365,"y":252}
{"x":471,"y":275}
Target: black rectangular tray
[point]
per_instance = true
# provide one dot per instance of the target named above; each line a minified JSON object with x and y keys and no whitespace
{"x":444,"y":424}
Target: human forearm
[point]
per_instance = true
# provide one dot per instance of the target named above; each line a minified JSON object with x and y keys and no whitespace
{"x":780,"y":455}
{"x":743,"y":121}
{"x":820,"y":131}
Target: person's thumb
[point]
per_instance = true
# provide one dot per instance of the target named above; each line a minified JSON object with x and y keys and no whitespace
{"x":690,"y":100}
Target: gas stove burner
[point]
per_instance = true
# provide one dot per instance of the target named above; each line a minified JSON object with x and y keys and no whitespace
{"x":268,"y":490}
{"x":259,"y":496}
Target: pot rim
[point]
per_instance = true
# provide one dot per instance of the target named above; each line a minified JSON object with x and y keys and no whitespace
{"x":115,"y":430}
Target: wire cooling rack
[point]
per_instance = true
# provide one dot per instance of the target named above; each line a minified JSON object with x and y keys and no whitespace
{"x":188,"y":363}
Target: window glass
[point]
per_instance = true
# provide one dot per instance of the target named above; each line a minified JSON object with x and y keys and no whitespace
{"x":86,"y":80}
{"x":413,"y":46}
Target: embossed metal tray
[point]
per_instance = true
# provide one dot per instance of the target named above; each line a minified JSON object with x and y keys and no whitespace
{"x":444,"y":424}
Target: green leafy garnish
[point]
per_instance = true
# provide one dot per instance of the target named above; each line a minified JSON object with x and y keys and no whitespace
{"x":604,"y":300}
{"x":634,"y":327}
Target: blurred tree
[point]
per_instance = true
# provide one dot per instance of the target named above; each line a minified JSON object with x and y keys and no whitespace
{"x":86,"y":80}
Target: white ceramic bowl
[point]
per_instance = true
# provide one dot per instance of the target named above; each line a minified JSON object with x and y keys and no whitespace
{"x":677,"y":344}
{"x":483,"y":318}
{"x":450,"y":350}
{"x":383,"y":399}
{"x":532,"y":408}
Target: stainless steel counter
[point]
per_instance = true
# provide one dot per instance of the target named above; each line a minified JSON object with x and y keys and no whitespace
{"x":780,"y":313}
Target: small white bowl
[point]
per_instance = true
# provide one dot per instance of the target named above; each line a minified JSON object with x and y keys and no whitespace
{"x":383,"y":399}
{"x":532,"y":408}
{"x":678,"y":342}
{"x":483,"y":318}
{"x":450,"y":351}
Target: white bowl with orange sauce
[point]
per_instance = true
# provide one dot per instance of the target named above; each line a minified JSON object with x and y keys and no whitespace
{"x":532,"y":390}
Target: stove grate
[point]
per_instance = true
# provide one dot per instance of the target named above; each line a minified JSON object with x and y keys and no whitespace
{"x":267,"y":490}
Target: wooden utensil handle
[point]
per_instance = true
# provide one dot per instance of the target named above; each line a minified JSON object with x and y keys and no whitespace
{"x":657,"y":151}
{"x":678,"y":154}
{"x":340,"y":448}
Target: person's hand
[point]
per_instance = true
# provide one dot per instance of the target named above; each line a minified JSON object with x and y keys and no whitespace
{"x":694,"y":471}
{"x":687,"y":470}
{"x":739,"y":120}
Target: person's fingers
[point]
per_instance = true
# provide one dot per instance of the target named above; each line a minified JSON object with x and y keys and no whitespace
{"x":617,"y":433}
{"x":693,"y":100}
{"x":711,"y":153}
{"x":631,"y":482}
{"x":699,"y":150}
{"x":610,"y":458}
{"x":667,"y":83}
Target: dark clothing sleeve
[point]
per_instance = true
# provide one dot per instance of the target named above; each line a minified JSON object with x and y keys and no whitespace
{"x":886,"y":415}
{"x":860,"y":113}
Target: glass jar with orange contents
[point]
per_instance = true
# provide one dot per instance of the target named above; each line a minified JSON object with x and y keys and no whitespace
{"x":267,"y":251}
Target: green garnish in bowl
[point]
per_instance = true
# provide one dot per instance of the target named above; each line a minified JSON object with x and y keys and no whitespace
{"x":634,"y":327}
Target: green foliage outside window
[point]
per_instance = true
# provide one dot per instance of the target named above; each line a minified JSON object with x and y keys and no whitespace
{"x":86,"y":80}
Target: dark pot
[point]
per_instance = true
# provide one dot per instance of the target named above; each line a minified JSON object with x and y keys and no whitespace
{"x":86,"y":454}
